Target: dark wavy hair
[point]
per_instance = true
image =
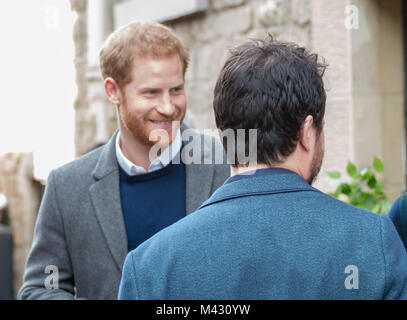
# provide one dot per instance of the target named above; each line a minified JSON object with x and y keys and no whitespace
{"x":270,"y":86}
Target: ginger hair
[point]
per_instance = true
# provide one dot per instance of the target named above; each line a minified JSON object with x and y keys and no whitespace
{"x":139,"y":38}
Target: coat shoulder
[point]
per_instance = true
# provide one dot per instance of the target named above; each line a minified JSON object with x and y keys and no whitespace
{"x":80,"y":169}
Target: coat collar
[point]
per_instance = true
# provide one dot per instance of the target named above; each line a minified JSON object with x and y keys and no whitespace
{"x":252,"y":185}
{"x":107,"y":162}
{"x":105,"y":197}
{"x":199,"y":176}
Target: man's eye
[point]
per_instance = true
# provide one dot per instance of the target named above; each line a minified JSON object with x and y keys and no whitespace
{"x":177,"y":89}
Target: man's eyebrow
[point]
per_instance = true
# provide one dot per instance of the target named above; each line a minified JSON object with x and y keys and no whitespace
{"x":149,"y":88}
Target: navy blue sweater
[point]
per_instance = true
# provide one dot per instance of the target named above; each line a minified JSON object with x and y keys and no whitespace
{"x":152,"y":201}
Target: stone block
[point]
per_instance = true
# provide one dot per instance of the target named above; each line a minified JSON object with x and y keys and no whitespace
{"x":301,"y":11}
{"x":18,"y":234}
{"x":209,"y":59}
{"x":10,"y":186}
{"x":200,"y":96}
{"x":186,"y":31}
{"x":273,"y":13}
{"x":80,"y":35}
{"x":227,"y":23}
{"x":78,"y":5}
{"x":10,"y":163}
{"x":293,"y":33}
{"x":204,"y":120}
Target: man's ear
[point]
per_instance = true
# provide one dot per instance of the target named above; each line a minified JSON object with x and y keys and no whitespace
{"x":112,"y":91}
{"x":307,"y":133}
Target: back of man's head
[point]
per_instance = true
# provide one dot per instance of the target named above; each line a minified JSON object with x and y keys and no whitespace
{"x":272,"y":87}
{"x":139,"y":38}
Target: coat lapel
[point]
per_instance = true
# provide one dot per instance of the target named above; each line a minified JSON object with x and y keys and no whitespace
{"x":105,"y":195}
{"x":199,"y":176}
{"x":198,"y":185}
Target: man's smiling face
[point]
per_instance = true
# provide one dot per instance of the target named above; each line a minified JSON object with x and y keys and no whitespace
{"x":154,"y":98}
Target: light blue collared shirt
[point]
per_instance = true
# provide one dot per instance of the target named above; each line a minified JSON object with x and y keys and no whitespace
{"x":160,"y":162}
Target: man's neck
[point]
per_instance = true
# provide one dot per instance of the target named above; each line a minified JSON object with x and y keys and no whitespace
{"x":137,"y":153}
{"x":244,"y":170}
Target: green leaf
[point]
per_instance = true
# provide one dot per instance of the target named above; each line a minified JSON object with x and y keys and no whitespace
{"x":355,"y":186}
{"x":332,"y":194}
{"x":334,"y":174}
{"x":367,"y":175}
{"x":364,"y":190}
{"x":377,"y":208}
{"x":372,"y":182}
{"x":386,"y":206}
{"x":345,"y":188}
{"x":370,"y":202}
{"x":351,"y":169}
{"x":378,"y":164}
{"x":356,"y":197}
{"x":379,"y":188}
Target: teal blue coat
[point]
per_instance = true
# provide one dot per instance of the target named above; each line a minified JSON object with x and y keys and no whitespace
{"x":270,"y":237}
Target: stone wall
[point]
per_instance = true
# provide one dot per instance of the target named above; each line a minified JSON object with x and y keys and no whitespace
{"x":332,"y":40}
{"x":378,"y":89}
{"x":95,"y":117}
{"x":85,"y":122}
{"x":24,"y":195}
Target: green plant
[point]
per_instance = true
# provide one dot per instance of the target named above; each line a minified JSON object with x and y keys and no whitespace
{"x":365,"y":190}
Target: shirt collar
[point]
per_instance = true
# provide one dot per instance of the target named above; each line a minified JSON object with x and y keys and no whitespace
{"x":257,"y":173}
{"x":160,"y":162}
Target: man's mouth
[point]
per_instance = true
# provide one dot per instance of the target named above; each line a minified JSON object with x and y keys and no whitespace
{"x":162,"y":124}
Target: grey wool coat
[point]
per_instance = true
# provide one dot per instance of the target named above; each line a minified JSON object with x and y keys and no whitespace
{"x":80,"y":240}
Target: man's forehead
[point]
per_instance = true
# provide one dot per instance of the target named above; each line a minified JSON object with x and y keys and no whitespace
{"x":143,"y":57}
{"x":157,"y":67}
{"x":155,"y":64}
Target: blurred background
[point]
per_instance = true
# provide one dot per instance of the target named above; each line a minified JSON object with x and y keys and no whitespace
{"x":53,"y":106}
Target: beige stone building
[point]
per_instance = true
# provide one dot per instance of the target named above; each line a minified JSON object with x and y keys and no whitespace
{"x":362,"y":40}
{"x":23,"y":194}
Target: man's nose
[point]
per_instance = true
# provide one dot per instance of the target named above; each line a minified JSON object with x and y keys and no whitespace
{"x":166,"y":106}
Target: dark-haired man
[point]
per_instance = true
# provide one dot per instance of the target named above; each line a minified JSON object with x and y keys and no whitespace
{"x":266,"y":233}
